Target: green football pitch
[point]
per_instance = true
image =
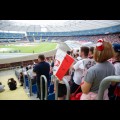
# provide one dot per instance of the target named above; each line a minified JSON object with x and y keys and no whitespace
{"x":27,"y":47}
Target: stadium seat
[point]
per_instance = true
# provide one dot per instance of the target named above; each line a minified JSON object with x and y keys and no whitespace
{"x":51,"y":96}
{"x":34,"y":88}
{"x":27,"y":81}
{"x":51,"y":88}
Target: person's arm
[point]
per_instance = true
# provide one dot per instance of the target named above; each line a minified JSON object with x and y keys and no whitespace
{"x":35,"y":68}
{"x":76,"y":66}
{"x":86,"y":87}
{"x":88,"y":80}
{"x":49,"y":67}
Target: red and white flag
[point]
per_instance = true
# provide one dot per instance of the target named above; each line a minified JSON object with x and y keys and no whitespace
{"x":63,"y":61}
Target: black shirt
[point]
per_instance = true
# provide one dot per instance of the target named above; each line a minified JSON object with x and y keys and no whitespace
{"x":42,"y":68}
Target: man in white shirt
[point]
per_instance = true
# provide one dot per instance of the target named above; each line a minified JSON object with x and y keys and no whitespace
{"x":2,"y":87}
{"x":79,"y":68}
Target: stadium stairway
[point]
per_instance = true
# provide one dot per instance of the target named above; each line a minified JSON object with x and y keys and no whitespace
{"x":18,"y":94}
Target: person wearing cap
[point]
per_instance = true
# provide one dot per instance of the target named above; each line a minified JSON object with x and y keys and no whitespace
{"x":116,"y":58}
{"x":116,"y":63}
{"x":95,"y":74}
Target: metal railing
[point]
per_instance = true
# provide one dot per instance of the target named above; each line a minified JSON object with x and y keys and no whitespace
{"x":68,"y":89}
{"x":30,"y":84}
{"x":105,"y":84}
{"x":41,"y":87}
{"x":24,"y":84}
{"x":56,"y":81}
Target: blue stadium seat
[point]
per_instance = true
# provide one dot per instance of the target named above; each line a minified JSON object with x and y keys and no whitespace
{"x":51,"y":96}
{"x":34,"y":88}
{"x":27,"y":81}
{"x":51,"y":88}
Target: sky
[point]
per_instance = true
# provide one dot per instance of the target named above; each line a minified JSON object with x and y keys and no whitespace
{"x":41,"y":22}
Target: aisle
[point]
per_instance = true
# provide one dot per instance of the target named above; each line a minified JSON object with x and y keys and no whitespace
{"x":18,"y":94}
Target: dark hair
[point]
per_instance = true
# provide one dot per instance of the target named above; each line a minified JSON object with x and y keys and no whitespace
{"x":77,"y":55}
{"x":0,"y":83}
{"x":117,"y":56}
{"x":68,"y":52}
{"x":91,"y":49}
{"x":12,"y":80}
{"x":27,"y":68}
{"x":41,"y":57}
{"x":21,"y":73}
{"x":85,"y":50}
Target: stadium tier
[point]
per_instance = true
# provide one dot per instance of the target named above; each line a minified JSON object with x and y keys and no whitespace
{"x":75,"y":64}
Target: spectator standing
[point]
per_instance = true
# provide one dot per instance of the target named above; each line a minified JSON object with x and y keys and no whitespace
{"x":95,"y":74}
{"x":42,"y":68}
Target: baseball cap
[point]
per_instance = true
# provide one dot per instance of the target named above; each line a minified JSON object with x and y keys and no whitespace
{"x":116,"y":47}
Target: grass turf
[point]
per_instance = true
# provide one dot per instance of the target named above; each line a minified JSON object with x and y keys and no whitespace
{"x":37,"y":48}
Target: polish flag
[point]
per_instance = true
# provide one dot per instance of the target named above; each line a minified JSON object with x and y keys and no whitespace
{"x":63,"y":61}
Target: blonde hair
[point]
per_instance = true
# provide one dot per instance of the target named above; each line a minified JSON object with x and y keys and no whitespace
{"x":104,"y":55}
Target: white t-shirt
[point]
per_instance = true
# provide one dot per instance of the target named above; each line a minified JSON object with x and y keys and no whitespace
{"x":78,"y":58}
{"x":78,"y":72}
{"x":31,"y":73}
{"x":117,"y":68}
{"x":2,"y":88}
{"x":80,"y":69}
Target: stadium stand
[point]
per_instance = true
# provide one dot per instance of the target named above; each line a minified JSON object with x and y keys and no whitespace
{"x":77,"y":37}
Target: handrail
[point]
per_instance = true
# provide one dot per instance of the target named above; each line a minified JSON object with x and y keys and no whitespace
{"x":30,"y":84}
{"x":41,"y":87}
{"x":56,"y":81}
{"x":105,"y":84}
{"x":68,"y":89}
{"x":24,"y":84}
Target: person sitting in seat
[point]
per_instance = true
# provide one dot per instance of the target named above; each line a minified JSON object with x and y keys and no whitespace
{"x":2,"y":87}
{"x":103,"y":68}
{"x":12,"y":84}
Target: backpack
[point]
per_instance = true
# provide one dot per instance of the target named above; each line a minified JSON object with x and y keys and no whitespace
{"x":12,"y":84}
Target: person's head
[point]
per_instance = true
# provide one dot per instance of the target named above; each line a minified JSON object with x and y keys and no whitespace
{"x":103,"y":51}
{"x":21,"y":73}
{"x":77,"y":55}
{"x":41,"y":58}
{"x":116,"y":47}
{"x":0,"y":83}
{"x":68,"y":52}
{"x":91,"y":51}
{"x":84,"y":52}
{"x":11,"y":79}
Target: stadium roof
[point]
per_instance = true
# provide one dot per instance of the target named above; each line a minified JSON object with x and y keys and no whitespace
{"x":54,"y":25}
